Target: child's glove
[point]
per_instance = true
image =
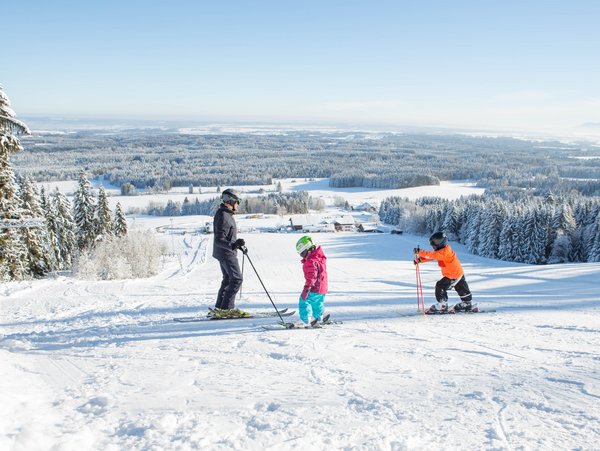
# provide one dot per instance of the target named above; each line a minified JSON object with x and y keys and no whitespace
{"x":304,"y":294}
{"x":416,"y":261}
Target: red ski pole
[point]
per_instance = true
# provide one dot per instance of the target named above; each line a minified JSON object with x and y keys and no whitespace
{"x":420,"y":295}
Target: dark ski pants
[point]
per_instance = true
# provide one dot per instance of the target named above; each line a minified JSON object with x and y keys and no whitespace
{"x":460,"y":285}
{"x":232,"y":281}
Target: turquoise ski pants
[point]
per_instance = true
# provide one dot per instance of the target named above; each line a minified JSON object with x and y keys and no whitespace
{"x":312,"y":306}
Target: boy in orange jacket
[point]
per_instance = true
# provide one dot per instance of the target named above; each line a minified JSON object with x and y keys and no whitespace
{"x":451,"y":270}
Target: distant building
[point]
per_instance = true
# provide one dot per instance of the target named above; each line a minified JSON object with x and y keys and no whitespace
{"x":303,"y":222}
{"x":369,"y":227}
{"x":345,"y":224}
{"x":365,"y":206}
{"x":323,"y":227}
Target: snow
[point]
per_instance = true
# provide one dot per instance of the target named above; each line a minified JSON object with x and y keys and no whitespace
{"x":102,"y":365}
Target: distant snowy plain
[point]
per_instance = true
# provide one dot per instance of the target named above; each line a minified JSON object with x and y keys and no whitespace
{"x":102,"y":365}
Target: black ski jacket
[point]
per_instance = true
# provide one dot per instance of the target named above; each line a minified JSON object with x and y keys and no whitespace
{"x":225,"y":233}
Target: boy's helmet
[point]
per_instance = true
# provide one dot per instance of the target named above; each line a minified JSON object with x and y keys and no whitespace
{"x":304,"y":244}
{"x":230,"y":196}
{"x":438,"y":240}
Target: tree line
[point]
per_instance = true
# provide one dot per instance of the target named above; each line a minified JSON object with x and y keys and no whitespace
{"x":273,"y":203}
{"x":535,"y":230}
{"x":161,"y":160}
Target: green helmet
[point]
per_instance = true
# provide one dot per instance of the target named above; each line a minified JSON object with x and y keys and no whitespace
{"x":304,"y":244}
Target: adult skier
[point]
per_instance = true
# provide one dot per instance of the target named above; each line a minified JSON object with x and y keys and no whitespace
{"x":225,"y":246}
{"x":451,"y":270}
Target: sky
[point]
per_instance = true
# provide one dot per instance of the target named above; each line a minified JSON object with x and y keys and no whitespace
{"x":522,"y":65}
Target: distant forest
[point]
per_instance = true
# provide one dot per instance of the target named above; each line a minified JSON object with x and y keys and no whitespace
{"x":162,"y":159}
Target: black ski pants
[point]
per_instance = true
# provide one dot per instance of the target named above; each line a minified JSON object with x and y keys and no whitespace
{"x":460,"y":285}
{"x":231,"y":284}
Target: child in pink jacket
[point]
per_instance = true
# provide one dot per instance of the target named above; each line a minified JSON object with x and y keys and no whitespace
{"x":315,"y":280}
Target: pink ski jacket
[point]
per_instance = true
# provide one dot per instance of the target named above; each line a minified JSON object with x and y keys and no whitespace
{"x":315,"y":271}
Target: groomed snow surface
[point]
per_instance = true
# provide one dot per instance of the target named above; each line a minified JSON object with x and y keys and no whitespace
{"x":102,"y":365}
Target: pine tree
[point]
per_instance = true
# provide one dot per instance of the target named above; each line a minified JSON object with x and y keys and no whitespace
{"x":84,"y":210}
{"x":104,"y":222}
{"x":594,"y":254}
{"x":13,"y":265}
{"x":49,"y":211}
{"x":563,"y":226}
{"x":13,"y":254}
{"x":39,"y":253}
{"x":539,"y":237}
{"x":491,"y":225}
{"x":120,"y":226}
{"x":507,"y":231}
{"x":473,"y":230}
{"x":65,"y":230}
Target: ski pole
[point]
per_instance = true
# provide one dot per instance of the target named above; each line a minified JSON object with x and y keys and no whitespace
{"x":420,"y":295}
{"x":244,"y":249}
{"x":241,"y":286}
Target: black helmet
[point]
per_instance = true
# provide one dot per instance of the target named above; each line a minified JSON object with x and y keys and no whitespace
{"x":438,"y":240}
{"x":230,"y":196}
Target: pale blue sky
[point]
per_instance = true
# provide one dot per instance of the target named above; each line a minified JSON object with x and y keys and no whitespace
{"x":483,"y":64}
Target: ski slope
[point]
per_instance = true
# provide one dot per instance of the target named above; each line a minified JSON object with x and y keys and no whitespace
{"x":101,"y":365}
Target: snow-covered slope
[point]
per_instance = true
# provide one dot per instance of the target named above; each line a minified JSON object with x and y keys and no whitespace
{"x":101,"y":365}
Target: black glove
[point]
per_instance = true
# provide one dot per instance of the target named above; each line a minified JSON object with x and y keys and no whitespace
{"x":239,"y":243}
{"x":416,"y":261}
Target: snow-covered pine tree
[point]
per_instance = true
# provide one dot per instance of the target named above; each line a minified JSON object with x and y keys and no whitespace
{"x":39,"y":253}
{"x":47,"y":207}
{"x":591,"y":232}
{"x":473,"y":229}
{"x":84,"y":212}
{"x":491,"y":225}
{"x":540,"y":235}
{"x":120,"y":225}
{"x":563,"y":225}
{"x":520,"y":238}
{"x":594,"y":254}
{"x":507,"y":232}
{"x":450,"y":222}
{"x":186,"y":207}
{"x":65,"y":229}
{"x":13,"y":255}
{"x":527,"y":233}
{"x":104,"y":221}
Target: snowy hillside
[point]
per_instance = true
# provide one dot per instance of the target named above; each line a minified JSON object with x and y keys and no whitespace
{"x":102,"y":365}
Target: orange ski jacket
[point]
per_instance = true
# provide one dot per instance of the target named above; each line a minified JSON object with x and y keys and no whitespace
{"x":447,"y":261}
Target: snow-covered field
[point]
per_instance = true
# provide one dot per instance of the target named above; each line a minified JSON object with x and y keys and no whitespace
{"x":102,"y":365}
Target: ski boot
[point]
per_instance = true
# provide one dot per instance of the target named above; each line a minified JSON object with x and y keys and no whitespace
{"x":438,"y":309}
{"x":463,"y":306}
{"x":317,"y":322}
{"x":237,"y":313}
{"x":217,"y":313}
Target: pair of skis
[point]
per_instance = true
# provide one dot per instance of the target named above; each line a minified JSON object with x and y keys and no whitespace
{"x":474,"y":309}
{"x":193,"y":319}
{"x":314,"y":324}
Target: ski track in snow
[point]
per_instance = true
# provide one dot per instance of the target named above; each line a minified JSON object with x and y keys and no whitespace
{"x":102,"y":365}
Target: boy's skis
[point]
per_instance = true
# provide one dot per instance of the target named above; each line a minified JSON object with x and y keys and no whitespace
{"x":432,"y":312}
